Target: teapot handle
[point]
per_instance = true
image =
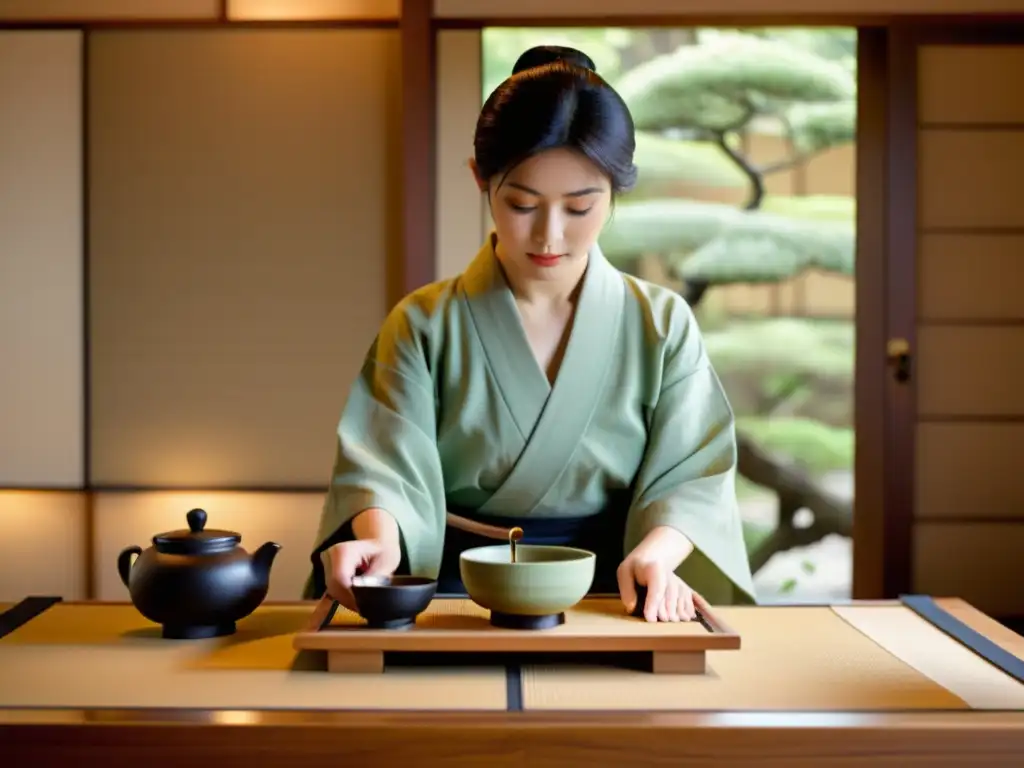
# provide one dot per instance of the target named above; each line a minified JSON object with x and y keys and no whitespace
{"x":124,"y":562}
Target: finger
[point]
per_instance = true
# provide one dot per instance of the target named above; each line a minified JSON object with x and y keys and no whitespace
{"x":686,"y":610}
{"x":671,"y":603}
{"x":655,"y":592}
{"x":376,"y":565}
{"x":627,"y":585}
{"x":347,"y":560}
{"x":345,"y":563}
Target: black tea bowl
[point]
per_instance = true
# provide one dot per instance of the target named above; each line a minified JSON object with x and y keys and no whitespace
{"x":392,"y":602}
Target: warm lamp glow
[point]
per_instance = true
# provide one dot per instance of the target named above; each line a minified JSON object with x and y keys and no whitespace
{"x":311,"y":10}
{"x":43,"y":544}
{"x":39,"y":10}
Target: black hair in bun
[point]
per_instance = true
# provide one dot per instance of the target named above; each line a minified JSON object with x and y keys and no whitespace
{"x":550,"y":54}
{"x":555,"y":98}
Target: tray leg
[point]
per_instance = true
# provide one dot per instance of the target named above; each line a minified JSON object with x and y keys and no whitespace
{"x":355,"y":662}
{"x":679,"y":663}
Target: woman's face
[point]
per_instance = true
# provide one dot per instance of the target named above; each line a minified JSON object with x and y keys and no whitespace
{"x":548,"y":213}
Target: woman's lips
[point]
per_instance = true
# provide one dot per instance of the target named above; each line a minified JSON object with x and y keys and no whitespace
{"x":544,"y":259}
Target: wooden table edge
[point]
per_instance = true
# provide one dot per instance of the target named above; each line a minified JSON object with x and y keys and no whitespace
{"x":885,"y":736}
{"x":505,"y":739}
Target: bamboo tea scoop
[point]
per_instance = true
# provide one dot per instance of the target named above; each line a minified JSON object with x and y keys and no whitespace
{"x":512,"y":535}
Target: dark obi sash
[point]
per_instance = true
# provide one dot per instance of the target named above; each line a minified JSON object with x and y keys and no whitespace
{"x":601,"y":534}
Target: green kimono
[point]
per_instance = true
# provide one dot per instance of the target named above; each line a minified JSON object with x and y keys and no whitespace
{"x":451,"y":410}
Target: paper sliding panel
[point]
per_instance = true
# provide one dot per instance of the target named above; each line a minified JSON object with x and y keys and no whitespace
{"x":978,"y":562}
{"x":970,"y":371}
{"x":460,"y":208}
{"x":312,"y":10}
{"x":967,"y":470}
{"x":84,"y":10}
{"x":965,"y":84}
{"x":289,"y":519}
{"x":42,"y":544}
{"x":970,"y":277}
{"x":41,"y":374}
{"x":970,"y":178}
{"x":242,"y":225}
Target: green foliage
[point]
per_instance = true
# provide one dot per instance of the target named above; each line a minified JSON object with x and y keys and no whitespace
{"x":723,"y":244}
{"x":759,"y":247}
{"x":813,"y":207}
{"x":834,"y":43}
{"x":816,"y":127}
{"x":665,"y":162}
{"x":788,"y":346}
{"x":817,"y":447}
{"x":720,"y":84}
{"x":667,"y":226}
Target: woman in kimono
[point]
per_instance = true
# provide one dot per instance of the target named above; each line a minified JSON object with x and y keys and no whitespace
{"x":542,"y":387}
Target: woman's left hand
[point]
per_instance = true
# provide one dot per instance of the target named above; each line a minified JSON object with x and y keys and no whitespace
{"x":669,"y":598}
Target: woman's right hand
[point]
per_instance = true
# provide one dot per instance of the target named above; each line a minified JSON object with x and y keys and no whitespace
{"x":359,"y":557}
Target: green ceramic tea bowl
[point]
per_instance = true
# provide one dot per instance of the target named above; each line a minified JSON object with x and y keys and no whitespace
{"x":544,"y":580}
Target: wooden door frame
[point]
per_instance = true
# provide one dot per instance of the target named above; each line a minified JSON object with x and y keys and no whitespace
{"x":872,"y":499}
{"x":901,"y":299}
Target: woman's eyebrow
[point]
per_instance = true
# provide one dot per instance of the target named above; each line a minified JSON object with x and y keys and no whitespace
{"x":577,"y":193}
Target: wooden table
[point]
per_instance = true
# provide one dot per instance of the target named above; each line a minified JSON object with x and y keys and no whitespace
{"x":812,"y":686}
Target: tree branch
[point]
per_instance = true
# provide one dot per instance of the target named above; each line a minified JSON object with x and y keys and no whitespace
{"x":752,"y":173}
{"x":831,"y":513}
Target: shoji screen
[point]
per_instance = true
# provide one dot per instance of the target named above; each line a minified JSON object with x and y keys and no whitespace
{"x":41,"y":314}
{"x":969,"y":530}
{"x":241,"y":227}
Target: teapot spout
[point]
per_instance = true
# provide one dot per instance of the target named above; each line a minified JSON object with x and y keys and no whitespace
{"x":262,"y":559}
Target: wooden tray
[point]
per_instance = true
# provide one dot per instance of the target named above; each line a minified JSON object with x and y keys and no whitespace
{"x":460,"y":626}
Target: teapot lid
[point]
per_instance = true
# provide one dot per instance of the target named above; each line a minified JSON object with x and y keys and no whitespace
{"x":196,"y":540}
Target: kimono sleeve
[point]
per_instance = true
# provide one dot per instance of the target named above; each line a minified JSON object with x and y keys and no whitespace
{"x":687,"y":479}
{"x":386,"y":452}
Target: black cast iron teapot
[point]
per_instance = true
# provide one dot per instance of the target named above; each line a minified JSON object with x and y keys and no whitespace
{"x":196,"y":583}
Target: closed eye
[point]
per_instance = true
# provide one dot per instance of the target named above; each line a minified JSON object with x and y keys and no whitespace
{"x":570,"y":211}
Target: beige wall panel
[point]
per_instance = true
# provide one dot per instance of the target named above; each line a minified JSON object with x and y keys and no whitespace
{"x":970,"y":178}
{"x":969,"y":470}
{"x":963,"y":84}
{"x":306,"y":10}
{"x":826,"y":294}
{"x":832,"y":172}
{"x":460,"y":205}
{"x":41,"y":375}
{"x":43,"y":544}
{"x":717,"y":8}
{"x":241,"y":226}
{"x":31,"y":10}
{"x":979,"y":562}
{"x":970,"y":277}
{"x":970,"y":371}
{"x":289,"y":519}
